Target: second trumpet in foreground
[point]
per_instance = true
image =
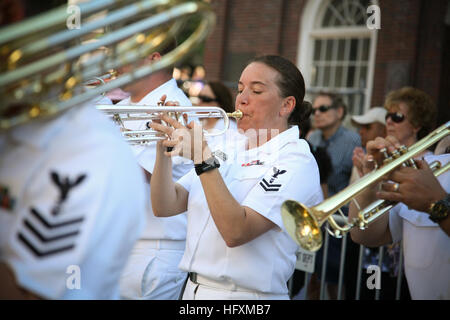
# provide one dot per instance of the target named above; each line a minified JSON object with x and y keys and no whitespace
{"x":303,"y":223}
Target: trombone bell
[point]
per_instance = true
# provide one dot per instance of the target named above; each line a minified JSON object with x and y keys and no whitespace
{"x":301,"y":225}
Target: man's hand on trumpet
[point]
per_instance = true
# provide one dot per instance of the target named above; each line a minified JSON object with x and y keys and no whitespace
{"x":417,"y":188}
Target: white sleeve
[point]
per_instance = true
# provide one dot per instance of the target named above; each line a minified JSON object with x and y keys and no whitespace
{"x":186,"y":180}
{"x":147,"y":157}
{"x":298,"y":180}
{"x":93,"y":227}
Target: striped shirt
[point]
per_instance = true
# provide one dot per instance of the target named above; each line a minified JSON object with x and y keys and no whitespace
{"x":340,"y":149}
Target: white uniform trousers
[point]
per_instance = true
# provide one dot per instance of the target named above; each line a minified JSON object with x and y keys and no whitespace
{"x":152,"y":271}
{"x":207,"y":289}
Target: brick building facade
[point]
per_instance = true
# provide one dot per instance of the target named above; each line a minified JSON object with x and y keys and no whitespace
{"x":411,"y":47}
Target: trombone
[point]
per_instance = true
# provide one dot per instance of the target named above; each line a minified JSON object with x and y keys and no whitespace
{"x":121,"y":114}
{"x":303,"y":223}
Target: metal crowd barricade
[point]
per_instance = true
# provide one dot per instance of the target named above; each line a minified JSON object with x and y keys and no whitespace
{"x":302,"y":295}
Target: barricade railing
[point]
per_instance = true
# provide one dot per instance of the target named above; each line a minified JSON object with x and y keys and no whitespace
{"x":376,"y":269}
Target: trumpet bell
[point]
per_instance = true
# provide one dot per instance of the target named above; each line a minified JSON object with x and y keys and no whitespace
{"x":301,"y":225}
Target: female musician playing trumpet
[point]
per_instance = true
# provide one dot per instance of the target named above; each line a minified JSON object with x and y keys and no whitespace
{"x":237,"y":246}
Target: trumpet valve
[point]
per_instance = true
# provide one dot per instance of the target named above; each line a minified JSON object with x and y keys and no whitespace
{"x":386,"y":156}
{"x":360,"y":221}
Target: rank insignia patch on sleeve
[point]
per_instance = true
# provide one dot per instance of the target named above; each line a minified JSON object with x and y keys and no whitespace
{"x":272,"y":184}
{"x":48,"y":234}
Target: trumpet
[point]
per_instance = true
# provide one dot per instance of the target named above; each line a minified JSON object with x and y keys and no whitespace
{"x":303,"y":223}
{"x":121,"y":114}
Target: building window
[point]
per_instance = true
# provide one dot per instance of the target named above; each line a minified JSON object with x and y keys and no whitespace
{"x":341,"y":50}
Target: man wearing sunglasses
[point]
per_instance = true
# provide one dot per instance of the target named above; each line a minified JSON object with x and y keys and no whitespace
{"x":329,"y":111}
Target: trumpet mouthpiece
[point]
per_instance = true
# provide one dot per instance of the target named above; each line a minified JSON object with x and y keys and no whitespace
{"x":236,"y":114}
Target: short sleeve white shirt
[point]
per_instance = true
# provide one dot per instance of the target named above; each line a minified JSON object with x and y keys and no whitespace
{"x":73,"y":197}
{"x":262,"y":179}
{"x":169,"y":228}
{"x":426,"y":247}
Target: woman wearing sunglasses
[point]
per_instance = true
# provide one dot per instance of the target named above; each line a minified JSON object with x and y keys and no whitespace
{"x":410,"y":116}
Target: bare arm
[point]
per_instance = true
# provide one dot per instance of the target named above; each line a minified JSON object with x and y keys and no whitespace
{"x":378,"y":232}
{"x":168,"y":198}
{"x":445,"y":225}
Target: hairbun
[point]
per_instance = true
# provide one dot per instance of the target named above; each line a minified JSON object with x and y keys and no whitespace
{"x":300,"y":113}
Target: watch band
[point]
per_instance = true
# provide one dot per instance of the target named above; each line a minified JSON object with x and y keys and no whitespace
{"x":210,"y":164}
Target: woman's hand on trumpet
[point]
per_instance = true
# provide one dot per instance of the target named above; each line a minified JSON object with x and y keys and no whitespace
{"x":377,"y":150}
{"x":187,"y":141}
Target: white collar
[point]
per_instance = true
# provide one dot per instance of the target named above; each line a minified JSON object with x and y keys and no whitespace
{"x":279,"y":141}
{"x":153,"y":96}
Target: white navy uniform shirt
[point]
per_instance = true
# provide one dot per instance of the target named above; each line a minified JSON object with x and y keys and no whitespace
{"x":262,"y":179}
{"x":426,"y":247}
{"x":72,"y":204}
{"x":169,"y":228}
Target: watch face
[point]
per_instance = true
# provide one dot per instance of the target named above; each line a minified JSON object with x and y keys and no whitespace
{"x":440,"y":210}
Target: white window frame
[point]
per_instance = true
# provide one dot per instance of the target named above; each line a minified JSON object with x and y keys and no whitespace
{"x":309,"y":32}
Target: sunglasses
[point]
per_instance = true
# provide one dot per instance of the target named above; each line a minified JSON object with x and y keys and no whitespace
{"x":395,"y":116}
{"x":206,"y":99}
{"x":322,"y":109}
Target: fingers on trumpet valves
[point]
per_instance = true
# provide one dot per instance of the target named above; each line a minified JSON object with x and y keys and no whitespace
{"x":170,"y":121}
{"x":160,"y":127}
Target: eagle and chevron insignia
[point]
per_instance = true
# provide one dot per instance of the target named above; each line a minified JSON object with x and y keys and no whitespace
{"x":272,"y":185}
{"x":48,"y":234}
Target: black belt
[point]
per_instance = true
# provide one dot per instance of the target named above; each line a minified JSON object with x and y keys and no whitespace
{"x":193,"y":277}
